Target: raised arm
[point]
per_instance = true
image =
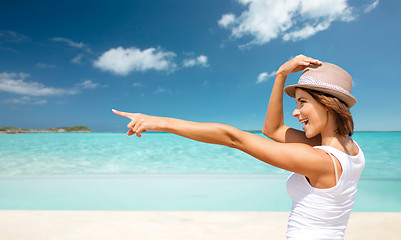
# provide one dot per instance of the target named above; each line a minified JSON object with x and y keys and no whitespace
{"x":274,"y":127}
{"x":299,"y":158}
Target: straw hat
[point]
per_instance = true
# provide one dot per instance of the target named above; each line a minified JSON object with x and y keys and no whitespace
{"x":326,"y":78}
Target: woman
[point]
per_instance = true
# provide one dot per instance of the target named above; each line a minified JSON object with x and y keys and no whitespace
{"x":326,"y":163}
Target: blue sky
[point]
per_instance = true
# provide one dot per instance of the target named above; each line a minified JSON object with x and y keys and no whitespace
{"x":67,"y":63}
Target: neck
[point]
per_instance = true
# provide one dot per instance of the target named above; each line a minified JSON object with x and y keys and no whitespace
{"x":342,"y":143}
{"x":330,"y":138}
{"x":334,"y":140}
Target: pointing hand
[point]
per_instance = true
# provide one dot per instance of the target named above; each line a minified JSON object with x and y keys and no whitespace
{"x":140,"y":122}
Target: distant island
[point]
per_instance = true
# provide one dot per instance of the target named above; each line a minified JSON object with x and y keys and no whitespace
{"x":14,"y":130}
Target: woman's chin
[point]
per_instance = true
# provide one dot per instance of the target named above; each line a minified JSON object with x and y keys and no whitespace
{"x":310,"y":134}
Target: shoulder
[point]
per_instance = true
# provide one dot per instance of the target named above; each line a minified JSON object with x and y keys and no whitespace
{"x":295,"y":157}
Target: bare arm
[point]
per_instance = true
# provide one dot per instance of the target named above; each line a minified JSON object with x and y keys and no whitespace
{"x":274,"y":127}
{"x":214,"y":133}
{"x":294,"y":157}
{"x":274,"y":122}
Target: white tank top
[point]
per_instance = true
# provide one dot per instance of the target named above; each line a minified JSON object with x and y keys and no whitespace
{"x":319,"y":214}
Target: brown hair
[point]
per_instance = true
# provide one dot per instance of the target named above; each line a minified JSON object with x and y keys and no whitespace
{"x":338,"y":108}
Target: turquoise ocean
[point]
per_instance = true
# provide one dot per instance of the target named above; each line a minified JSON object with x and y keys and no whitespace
{"x":162,"y":171}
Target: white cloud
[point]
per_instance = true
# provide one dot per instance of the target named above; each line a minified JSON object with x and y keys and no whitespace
{"x":189,"y":62}
{"x":12,"y":37}
{"x":44,"y":65}
{"x":264,"y":77}
{"x":137,"y":84}
{"x":226,"y":20}
{"x":305,"y":32}
{"x":371,"y":6}
{"x":163,"y":90}
{"x":87,"y":84}
{"x":123,"y":61}
{"x":265,"y":20}
{"x":25,"y":100}
{"x":71,"y":43}
{"x":77,"y":59}
{"x":15,"y":83}
{"x":201,"y":61}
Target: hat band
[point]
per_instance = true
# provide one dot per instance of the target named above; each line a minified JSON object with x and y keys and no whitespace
{"x":308,"y":80}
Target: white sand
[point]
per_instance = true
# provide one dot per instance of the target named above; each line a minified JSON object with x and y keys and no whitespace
{"x":159,"y":225}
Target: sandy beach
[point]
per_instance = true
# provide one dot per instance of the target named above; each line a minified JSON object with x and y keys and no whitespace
{"x":188,"y":225}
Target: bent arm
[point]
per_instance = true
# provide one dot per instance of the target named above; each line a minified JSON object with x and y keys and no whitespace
{"x":274,"y":127}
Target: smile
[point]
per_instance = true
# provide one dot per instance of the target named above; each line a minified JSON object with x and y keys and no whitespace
{"x":304,"y":121}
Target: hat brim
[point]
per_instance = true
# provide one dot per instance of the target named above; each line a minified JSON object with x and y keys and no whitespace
{"x":347,"y":98}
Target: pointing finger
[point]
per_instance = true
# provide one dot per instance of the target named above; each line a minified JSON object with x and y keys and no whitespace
{"x":123,"y":114}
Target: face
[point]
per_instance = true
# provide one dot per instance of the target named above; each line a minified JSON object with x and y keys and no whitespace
{"x":310,"y":113}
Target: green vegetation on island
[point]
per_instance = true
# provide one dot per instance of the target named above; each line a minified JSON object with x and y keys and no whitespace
{"x":12,"y":130}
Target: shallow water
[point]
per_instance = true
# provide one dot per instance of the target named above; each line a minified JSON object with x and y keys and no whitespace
{"x":110,"y":171}
{"x":161,"y":153}
{"x":181,"y":192}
